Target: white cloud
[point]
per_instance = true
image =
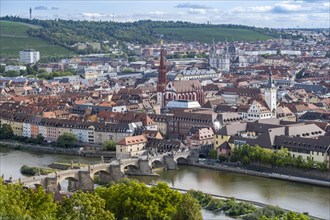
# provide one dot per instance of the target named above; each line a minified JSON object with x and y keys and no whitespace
{"x":256,"y":9}
{"x":93,"y":15}
{"x":157,"y":13}
{"x":196,"y":11}
{"x":286,"y":7}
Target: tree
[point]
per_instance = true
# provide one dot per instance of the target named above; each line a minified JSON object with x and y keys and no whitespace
{"x":295,"y":216}
{"x":188,"y":209}
{"x":11,"y":73}
{"x":41,"y":204}
{"x":66,"y":140}
{"x":40,"y":139}
{"x":6,"y":132}
{"x":84,"y":206}
{"x":109,"y":145}
{"x":134,"y":200}
{"x":19,"y":203}
{"x":213,"y":154}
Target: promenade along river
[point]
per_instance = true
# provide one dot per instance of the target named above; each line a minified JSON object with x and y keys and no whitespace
{"x":290,"y":195}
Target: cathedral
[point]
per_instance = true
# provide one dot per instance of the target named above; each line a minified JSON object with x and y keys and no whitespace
{"x":176,"y":90}
{"x":227,"y":60}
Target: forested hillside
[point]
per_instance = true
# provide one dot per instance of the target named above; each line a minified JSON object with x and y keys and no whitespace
{"x":66,"y":33}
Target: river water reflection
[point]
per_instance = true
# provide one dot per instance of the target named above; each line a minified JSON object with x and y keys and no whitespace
{"x":294,"y":196}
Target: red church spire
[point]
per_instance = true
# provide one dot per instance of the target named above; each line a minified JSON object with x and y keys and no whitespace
{"x":162,"y":70}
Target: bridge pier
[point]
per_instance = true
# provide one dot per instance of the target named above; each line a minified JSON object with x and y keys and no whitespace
{"x":51,"y":184}
{"x":170,"y":164}
{"x":104,"y":177}
{"x":72,"y":185}
{"x":115,"y":172}
{"x":85,"y":182}
{"x":145,"y":168}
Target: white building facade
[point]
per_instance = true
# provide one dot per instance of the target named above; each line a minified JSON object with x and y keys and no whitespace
{"x":29,"y":56}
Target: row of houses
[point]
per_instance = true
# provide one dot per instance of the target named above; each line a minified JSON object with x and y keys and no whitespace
{"x":51,"y":128}
{"x":301,"y":139}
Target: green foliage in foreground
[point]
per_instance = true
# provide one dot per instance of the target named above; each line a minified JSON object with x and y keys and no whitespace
{"x":84,"y":206}
{"x":128,"y":199}
{"x":134,"y":200}
{"x":247,"y":154}
{"x":244,"y":210}
{"x":19,"y":203}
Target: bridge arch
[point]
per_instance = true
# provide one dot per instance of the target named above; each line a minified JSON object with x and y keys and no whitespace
{"x":97,"y":171}
{"x":131,"y":169}
{"x":101,"y":177}
{"x":181,"y":160}
{"x":33,"y":186}
{"x":67,"y":183}
{"x":157,"y":163}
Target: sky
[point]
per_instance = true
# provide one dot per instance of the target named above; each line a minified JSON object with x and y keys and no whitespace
{"x":273,"y":13}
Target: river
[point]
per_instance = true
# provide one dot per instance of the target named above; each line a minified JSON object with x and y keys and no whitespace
{"x":294,"y":196}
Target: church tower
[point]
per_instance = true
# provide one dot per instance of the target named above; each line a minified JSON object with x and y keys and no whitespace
{"x":213,"y":57}
{"x":224,"y":60}
{"x":270,"y":95}
{"x":162,"y":80}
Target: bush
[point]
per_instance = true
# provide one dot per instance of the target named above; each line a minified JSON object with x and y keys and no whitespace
{"x":109,"y":145}
{"x":66,"y":140}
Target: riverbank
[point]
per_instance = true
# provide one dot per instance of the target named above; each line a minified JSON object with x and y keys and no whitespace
{"x":293,"y":196}
{"x":262,"y":174}
{"x":55,"y":150}
{"x":221,"y":197}
{"x":106,"y":154}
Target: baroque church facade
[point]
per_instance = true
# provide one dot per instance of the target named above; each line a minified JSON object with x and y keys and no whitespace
{"x":176,"y":90}
{"x":227,"y":60}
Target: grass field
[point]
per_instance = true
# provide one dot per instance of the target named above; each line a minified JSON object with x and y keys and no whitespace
{"x":14,"y":37}
{"x":207,"y":34}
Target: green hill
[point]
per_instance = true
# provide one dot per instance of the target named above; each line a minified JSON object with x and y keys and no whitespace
{"x":207,"y":34}
{"x":14,"y":37}
{"x":19,"y":33}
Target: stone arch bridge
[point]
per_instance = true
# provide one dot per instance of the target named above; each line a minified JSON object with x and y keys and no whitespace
{"x":84,"y":178}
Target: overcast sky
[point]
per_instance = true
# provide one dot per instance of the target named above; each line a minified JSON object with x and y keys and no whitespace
{"x":274,"y":13}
